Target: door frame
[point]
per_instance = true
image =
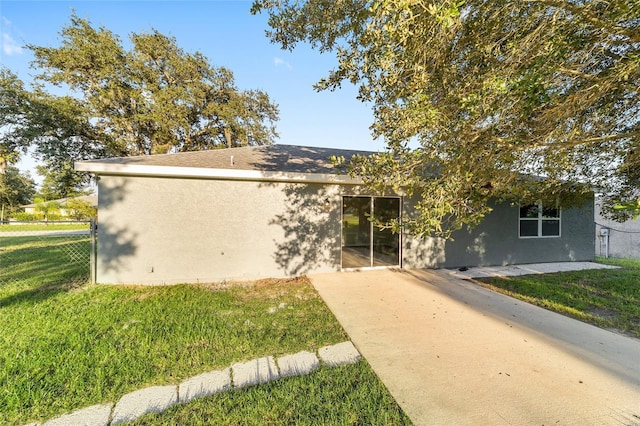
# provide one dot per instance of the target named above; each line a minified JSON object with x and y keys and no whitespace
{"x":371,"y":233}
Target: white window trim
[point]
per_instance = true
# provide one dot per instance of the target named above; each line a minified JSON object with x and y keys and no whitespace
{"x":539,"y":220}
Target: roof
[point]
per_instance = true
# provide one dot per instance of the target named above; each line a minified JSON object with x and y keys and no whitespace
{"x":93,"y":199}
{"x":266,"y":162}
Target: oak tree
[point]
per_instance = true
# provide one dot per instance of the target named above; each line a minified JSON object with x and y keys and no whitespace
{"x":61,"y":182}
{"x":16,"y":189}
{"x":484,"y":100}
{"x":150,"y":98}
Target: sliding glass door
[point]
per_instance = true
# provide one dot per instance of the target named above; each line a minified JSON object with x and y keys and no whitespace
{"x":385,"y":244}
{"x":363,"y":243}
{"x":356,"y":232}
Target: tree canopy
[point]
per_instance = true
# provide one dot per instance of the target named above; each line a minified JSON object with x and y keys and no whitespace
{"x":16,"y":189}
{"x":61,"y":182}
{"x":525,"y":101}
{"x":153,"y":98}
{"x":80,"y":209}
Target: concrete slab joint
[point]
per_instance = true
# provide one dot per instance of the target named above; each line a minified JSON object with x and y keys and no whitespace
{"x":154,"y":399}
{"x":254,"y":372}
{"x":339,"y":354}
{"x":204,"y":385}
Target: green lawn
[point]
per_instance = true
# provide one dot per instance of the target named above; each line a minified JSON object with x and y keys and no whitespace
{"x":38,"y":262}
{"x":66,"y":344}
{"x":40,"y":226}
{"x":346,"y":395}
{"x":608,"y":298}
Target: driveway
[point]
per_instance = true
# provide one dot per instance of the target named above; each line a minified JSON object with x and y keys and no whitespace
{"x":452,"y":352}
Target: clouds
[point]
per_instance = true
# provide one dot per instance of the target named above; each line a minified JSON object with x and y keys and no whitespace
{"x":9,"y":46}
{"x":279,"y":62}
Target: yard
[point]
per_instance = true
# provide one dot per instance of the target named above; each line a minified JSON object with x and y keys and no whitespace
{"x":67,"y":345}
{"x":43,"y":226}
{"x":40,"y":261}
{"x":608,"y":298}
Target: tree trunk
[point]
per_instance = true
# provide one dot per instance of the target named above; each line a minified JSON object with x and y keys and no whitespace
{"x":227,"y":136}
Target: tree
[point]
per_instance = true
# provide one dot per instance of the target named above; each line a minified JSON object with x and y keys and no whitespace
{"x":49,"y":210}
{"x":80,"y":209}
{"x":153,"y":98}
{"x":58,"y":128}
{"x":61,"y":183}
{"x":630,"y":208}
{"x":477,"y":100}
{"x":16,"y":189}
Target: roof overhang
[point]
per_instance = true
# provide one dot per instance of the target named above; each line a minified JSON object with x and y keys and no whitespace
{"x":113,"y":169}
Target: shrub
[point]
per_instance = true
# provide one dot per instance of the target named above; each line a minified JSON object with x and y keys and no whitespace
{"x":26,"y":217}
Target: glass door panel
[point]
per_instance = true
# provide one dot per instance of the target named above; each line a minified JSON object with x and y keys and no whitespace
{"x":386,"y":244}
{"x":356,"y":232}
{"x":363,"y":243}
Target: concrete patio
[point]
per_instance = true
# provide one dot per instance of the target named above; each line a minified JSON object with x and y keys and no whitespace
{"x":452,"y":352}
{"x":533,"y":268}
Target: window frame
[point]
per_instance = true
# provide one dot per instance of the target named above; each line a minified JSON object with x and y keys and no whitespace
{"x":539,"y":220}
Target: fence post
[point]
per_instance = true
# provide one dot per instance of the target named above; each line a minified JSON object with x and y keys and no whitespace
{"x":92,"y":255}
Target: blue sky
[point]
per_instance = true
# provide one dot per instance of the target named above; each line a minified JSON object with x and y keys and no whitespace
{"x":229,"y":36}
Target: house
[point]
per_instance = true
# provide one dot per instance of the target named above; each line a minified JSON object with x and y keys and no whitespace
{"x":281,"y":210}
{"x":616,"y":239}
{"x":62,"y":203}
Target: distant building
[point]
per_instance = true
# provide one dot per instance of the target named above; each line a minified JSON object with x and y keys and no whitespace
{"x":62,"y":202}
{"x":616,"y":239}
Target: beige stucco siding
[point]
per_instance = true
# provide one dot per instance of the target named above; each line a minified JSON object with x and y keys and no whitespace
{"x":155,"y":230}
{"x":166,"y":230}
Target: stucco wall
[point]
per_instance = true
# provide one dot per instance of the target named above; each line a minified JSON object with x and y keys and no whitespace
{"x":164,"y":230}
{"x":173,"y":230}
{"x":623,"y":239}
{"x":495,"y":242}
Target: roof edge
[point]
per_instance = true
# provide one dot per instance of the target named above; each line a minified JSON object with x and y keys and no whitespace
{"x":207,"y":173}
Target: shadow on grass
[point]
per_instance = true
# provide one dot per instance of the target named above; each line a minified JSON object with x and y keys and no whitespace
{"x":36,"y":294}
{"x":35,"y":268}
{"x":604,"y":297}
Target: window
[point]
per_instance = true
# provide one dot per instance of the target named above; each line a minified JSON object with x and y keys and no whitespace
{"x":539,"y":221}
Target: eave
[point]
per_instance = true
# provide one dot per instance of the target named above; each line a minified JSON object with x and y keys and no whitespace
{"x":112,"y":169}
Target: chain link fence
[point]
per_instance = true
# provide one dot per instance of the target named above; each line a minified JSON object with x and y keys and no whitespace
{"x":47,"y":253}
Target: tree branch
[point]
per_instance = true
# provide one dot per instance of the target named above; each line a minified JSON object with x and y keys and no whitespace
{"x":634,"y":36}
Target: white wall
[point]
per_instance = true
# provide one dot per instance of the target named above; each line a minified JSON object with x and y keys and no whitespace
{"x":623,"y":240}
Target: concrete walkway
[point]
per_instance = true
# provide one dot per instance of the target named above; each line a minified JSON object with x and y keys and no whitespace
{"x":533,"y":268}
{"x":452,"y":352}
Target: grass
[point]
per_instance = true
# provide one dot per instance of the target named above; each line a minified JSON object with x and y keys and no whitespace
{"x":66,"y":344}
{"x":346,"y":395}
{"x":43,"y":261}
{"x":40,"y":226}
{"x":608,"y":298}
